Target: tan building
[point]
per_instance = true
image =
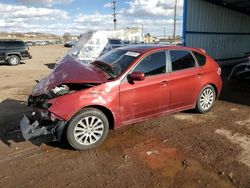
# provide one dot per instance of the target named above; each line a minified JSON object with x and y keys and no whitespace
{"x":148,"y":38}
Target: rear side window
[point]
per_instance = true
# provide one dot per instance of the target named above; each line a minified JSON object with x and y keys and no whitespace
{"x":200,"y":58}
{"x":153,"y":64}
{"x":181,"y":60}
{"x":14,"y":44}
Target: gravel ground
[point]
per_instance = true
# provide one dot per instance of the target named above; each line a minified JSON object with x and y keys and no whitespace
{"x":179,"y":150}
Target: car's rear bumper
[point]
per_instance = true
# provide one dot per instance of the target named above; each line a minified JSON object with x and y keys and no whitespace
{"x":25,"y":58}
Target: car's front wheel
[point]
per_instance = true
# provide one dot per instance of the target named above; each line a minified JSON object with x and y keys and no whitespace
{"x":205,"y":99}
{"x":87,"y":129}
{"x":13,"y":60}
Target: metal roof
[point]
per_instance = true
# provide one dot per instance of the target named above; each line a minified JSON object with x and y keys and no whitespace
{"x":242,"y":6}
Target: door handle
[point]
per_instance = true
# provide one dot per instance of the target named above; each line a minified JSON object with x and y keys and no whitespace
{"x":164,"y":83}
{"x":199,"y":75}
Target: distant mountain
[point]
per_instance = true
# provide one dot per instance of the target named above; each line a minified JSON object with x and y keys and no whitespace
{"x":29,"y":35}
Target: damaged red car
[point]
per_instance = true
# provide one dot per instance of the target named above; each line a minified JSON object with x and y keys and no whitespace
{"x":123,"y":86}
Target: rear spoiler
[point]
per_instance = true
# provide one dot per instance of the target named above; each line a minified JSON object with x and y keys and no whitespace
{"x":201,"y":49}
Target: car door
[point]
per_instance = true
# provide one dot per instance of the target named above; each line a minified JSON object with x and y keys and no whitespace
{"x":148,"y":97}
{"x":185,"y":79}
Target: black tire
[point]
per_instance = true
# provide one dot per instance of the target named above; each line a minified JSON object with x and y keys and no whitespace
{"x":202,"y":105}
{"x":13,"y":60}
{"x":76,"y":123}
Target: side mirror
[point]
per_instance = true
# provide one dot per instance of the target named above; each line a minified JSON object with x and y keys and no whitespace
{"x":136,"y":76}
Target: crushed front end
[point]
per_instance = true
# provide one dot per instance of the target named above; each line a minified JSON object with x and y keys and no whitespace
{"x":71,"y":75}
{"x":41,"y":121}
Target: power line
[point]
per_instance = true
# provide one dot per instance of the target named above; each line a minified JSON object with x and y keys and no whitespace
{"x":175,"y":9}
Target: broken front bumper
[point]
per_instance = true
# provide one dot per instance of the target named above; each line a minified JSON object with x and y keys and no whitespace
{"x":39,"y":128}
{"x":30,"y":130}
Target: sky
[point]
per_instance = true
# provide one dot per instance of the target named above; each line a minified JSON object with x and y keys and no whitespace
{"x":79,"y":16}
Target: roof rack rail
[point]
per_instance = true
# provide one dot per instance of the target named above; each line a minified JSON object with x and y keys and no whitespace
{"x":11,"y":40}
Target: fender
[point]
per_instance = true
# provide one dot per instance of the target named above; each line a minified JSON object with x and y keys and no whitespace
{"x":13,"y":53}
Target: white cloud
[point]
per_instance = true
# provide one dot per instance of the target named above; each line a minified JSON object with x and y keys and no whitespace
{"x":15,"y":11}
{"x":16,"y":18}
{"x":22,"y":18}
{"x":47,"y":3}
{"x":93,"y":18}
{"x":105,"y":21}
{"x":108,"y":5}
{"x":152,"y":8}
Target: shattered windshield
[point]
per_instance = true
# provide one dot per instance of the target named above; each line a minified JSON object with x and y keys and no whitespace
{"x":89,"y":47}
{"x":116,"y":61}
{"x":93,"y":44}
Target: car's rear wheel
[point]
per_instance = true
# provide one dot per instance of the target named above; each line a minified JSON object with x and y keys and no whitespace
{"x":87,"y":129}
{"x":13,"y":60}
{"x":205,"y":99}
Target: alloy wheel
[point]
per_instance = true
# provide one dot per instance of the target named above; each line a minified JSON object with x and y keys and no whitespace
{"x":14,"y":60}
{"x":88,"y":130}
{"x":207,"y":98}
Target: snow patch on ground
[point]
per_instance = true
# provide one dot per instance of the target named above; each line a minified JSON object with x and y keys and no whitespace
{"x":188,"y":117}
{"x":234,"y":109}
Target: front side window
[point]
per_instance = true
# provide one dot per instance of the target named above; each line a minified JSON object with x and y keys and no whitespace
{"x":181,"y":60}
{"x":153,"y":64}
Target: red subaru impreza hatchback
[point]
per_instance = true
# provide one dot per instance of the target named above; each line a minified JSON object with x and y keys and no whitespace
{"x":124,"y":86}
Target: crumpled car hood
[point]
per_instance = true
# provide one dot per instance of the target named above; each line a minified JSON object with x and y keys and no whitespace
{"x":69,"y":70}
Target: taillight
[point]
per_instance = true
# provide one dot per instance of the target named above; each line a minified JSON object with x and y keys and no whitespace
{"x":219,"y":71}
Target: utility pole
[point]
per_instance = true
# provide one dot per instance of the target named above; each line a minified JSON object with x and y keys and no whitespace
{"x":114,"y":14}
{"x":175,"y":9}
{"x":142,"y":33}
{"x":164,"y":33}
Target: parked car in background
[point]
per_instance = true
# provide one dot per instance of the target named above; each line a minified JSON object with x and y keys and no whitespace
{"x":123,"y":86}
{"x":39,"y":43}
{"x":13,"y":51}
{"x":69,"y":44}
{"x":42,"y":42}
{"x":30,"y":43}
{"x":241,"y":70}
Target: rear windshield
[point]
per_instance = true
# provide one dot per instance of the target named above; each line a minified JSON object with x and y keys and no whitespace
{"x":13,"y":44}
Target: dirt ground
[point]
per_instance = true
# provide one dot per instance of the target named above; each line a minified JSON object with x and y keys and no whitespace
{"x":179,"y":150}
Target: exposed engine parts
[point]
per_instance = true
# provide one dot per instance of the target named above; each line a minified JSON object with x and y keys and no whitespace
{"x":42,"y":121}
{"x":40,"y":101}
{"x":60,"y":90}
